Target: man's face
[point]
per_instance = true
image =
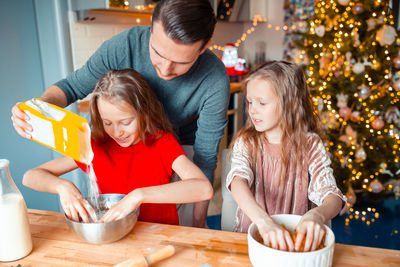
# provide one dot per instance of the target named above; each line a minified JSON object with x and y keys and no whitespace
{"x":169,"y":58}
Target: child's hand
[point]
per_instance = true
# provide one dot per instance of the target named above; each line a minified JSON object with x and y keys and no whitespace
{"x":311,"y":227}
{"x":275,"y":236}
{"x":125,"y":206}
{"x":73,"y":204}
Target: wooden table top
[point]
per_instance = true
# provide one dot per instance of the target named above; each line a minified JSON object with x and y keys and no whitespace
{"x":55,"y":245}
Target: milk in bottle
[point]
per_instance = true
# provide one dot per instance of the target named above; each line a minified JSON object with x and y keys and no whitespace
{"x":15,"y":236}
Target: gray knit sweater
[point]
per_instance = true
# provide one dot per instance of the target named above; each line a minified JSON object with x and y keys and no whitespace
{"x":195,"y":102}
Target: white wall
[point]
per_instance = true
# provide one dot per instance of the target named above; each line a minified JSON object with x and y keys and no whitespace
{"x":227,"y":32}
{"x":88,"y":35}
{"x":273,"y":39}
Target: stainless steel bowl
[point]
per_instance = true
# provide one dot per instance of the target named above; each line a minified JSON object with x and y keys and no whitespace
{"x":100,"y":233}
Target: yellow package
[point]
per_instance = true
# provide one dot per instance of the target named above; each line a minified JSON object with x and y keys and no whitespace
{"x":59,"y":129}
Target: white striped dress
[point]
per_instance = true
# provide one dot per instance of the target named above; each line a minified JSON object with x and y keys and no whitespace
{"x":302,"y":188}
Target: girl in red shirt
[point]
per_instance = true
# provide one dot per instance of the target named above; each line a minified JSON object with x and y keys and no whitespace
{"x":134,"y":154}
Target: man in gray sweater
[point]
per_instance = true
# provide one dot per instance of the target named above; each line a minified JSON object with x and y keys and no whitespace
{"x":189,"y":80}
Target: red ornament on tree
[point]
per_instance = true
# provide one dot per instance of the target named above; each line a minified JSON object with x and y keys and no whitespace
{"x":376,"y":186}
{"x":345,"y":112}
{"x":396,"y":62}
{"x":355,"y":116}
{"x":378,"y":123}
{"x":358,"y":9}
{"x":396,"y":85}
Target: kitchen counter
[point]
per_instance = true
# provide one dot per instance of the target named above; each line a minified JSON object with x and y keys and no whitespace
{"x":55,"y":245}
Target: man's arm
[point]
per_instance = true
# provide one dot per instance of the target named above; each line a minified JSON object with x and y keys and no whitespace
{"x":54,"y":95}
{"x":210,"y":129}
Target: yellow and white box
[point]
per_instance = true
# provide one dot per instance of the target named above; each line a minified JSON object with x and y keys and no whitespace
{"x":59,"y":129}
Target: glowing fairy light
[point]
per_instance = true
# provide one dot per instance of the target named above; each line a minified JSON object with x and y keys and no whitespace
{"x":257,"y":19}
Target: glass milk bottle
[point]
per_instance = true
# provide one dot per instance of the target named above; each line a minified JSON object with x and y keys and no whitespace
{"x":15,"y":236}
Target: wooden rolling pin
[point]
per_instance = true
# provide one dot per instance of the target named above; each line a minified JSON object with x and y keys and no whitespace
{"x":145,"y":261}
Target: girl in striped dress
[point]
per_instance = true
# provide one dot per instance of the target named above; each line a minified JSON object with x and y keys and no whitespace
{"x":279,"y":164}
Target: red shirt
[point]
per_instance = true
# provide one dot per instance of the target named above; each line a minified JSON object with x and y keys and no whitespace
{"x":123,"y":169}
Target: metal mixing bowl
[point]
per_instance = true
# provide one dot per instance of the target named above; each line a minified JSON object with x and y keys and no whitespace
{"x":100,"y":233}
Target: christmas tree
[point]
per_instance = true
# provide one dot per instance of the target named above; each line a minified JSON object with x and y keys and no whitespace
{"x":351,"y":56}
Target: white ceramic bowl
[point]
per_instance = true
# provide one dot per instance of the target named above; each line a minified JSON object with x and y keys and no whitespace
{"x":261,"y":255}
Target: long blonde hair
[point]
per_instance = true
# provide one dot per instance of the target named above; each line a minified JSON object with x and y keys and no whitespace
{"x":296,"y":112}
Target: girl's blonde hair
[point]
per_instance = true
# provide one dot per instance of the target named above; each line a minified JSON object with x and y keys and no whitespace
{"x":130,"y":87}
{"x":296,"y":112}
